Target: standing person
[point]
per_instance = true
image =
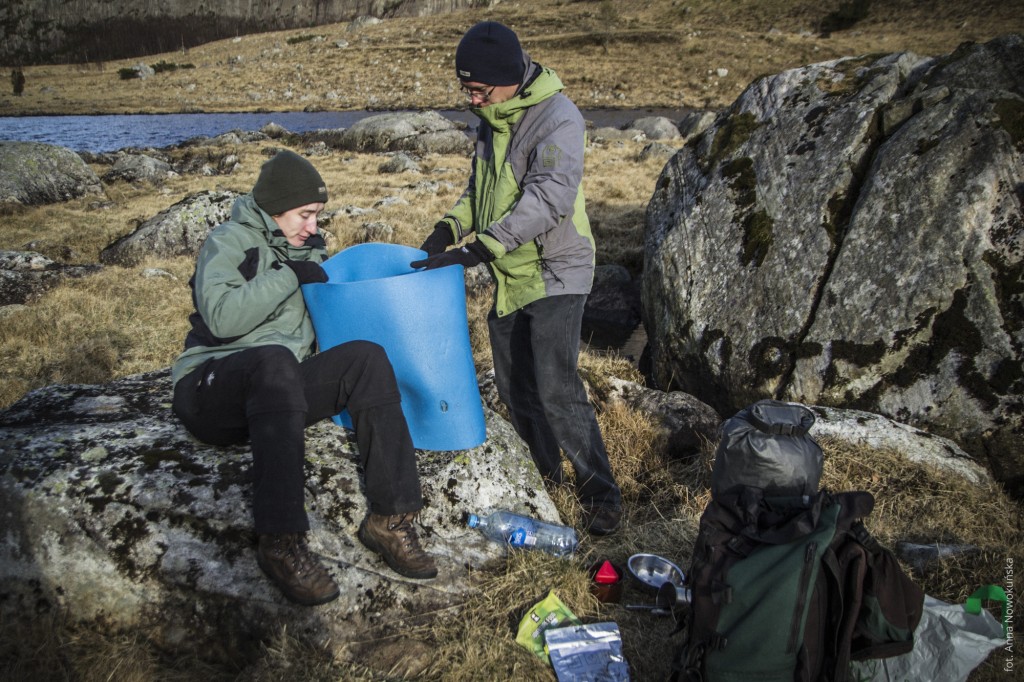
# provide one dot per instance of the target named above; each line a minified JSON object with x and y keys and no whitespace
{"x":17,"y":81}
{"x":249,"y":372}
{"x":524,"y":204}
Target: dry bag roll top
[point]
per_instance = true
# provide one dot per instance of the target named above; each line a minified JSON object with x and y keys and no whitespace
{"x":767,"y":446}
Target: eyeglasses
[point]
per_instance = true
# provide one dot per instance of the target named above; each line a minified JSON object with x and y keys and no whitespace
{"x":484,"y":93}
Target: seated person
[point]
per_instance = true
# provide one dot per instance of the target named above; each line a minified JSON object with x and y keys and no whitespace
{"x":250,"y":371}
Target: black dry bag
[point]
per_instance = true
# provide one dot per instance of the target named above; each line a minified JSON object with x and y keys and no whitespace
{"x":766,"y":446}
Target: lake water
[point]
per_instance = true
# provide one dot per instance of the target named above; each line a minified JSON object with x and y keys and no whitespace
{"x":105,"y":133}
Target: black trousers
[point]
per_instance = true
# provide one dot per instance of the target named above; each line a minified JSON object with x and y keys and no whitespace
{"x":266,"y":396}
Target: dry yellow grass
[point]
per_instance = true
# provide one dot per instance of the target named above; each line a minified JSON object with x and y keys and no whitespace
{"x":653,"y":53}
{"x":121,"y":322}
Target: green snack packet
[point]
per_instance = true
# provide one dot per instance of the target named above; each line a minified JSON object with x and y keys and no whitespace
{"x":550,"y":612}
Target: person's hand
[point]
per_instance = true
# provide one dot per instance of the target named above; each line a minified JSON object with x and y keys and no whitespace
{"x":467,"y":256}
{"x":316,"y":240}
{"x":439,"y":240}
{"x":308,"y":272}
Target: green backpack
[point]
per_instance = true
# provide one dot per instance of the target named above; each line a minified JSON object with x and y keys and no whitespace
{"x":787,"y":585}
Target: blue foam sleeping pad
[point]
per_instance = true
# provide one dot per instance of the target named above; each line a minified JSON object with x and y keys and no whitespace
{"x":419,"y":317}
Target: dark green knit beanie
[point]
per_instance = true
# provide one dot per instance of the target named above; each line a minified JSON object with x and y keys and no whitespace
{"x":286,"y":182}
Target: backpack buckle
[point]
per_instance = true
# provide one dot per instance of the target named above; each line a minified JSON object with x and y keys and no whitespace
{"x":784,"y":429}
{"x":864,"y":537}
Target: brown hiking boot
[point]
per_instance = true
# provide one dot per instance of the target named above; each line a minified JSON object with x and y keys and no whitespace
{"x":395,"y":539}
{"x":601,"y":520}
{"x":296,"y":571}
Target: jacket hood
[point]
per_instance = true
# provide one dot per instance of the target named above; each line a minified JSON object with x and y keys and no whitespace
{"x":539,"y":83}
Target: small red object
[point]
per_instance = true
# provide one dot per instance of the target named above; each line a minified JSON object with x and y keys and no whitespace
{"x":606,"y":575}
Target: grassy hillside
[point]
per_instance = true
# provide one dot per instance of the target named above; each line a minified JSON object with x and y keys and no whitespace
{"x":653,"y":53}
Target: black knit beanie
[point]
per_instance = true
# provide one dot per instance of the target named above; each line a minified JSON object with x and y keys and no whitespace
{"x":489,"y":53}
{"x":286,"y":182}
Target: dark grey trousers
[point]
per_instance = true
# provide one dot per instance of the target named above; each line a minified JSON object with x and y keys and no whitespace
{"x":536,"y":350}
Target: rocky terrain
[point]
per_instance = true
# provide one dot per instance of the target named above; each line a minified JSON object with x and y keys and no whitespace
{"x":845,"y":231}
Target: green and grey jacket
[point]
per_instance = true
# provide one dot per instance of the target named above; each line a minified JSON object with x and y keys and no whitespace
{"x":524,"y":199}
{"x":243,"y":296}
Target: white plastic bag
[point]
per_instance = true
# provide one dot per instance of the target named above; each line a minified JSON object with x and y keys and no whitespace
{"x":948,"y":644}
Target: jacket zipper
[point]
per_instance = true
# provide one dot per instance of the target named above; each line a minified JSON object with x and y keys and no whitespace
{"x":801,"y":600}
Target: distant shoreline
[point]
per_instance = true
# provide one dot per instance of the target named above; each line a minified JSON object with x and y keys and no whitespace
{"x":107,"y":133}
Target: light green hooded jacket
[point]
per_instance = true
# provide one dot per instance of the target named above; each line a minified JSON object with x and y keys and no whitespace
{"x":524,"y":199}
{"x":243,"y":296}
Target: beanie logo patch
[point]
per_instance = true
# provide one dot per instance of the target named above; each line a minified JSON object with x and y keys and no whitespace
{"x":465,"y":74}
{"x":550,"y":156}
{"x":321,"y":190}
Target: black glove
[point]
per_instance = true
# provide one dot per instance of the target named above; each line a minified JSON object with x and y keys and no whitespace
{"x":439,"y":240}
{"x":307,"y":271}
{"x":316,"y":240}
{"x":469,"y":255}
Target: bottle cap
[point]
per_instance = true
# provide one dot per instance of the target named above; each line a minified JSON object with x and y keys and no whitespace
{"x":606,"y":581}
{"x":473,"y":521}
{"x":606,"y":574}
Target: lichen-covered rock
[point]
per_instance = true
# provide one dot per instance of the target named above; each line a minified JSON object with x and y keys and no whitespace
{"x":139,"y":168}
{"x":695,"y":122}
{"x":800,"y":249}
{"x":655,"y":128}
{"x":873,"y":431}
{"x":113,"y":513}
{"x":425,"y":132}
{"x":685,"y":423}
{"x":33,"y":173}
{"x":26,"y":274}
{"x":178,"y":231}
{"x":399,"y":162}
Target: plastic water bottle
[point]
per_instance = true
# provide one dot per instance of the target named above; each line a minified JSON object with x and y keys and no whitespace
{"x":517,"y":530}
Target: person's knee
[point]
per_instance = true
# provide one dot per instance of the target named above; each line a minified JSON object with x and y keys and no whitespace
{"x":274,"y":381}
{"x":370,"y":375}
{"x":369,"y":352}
{"x":561,"y":393}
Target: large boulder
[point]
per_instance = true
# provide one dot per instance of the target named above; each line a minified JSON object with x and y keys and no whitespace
{"x":178,"y":231}
{"x":33,"y":173}
{"x":25,"y":275}
{"x":850,"y":234}
{"x":423,"y":132}
{"x":113,"y":514}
